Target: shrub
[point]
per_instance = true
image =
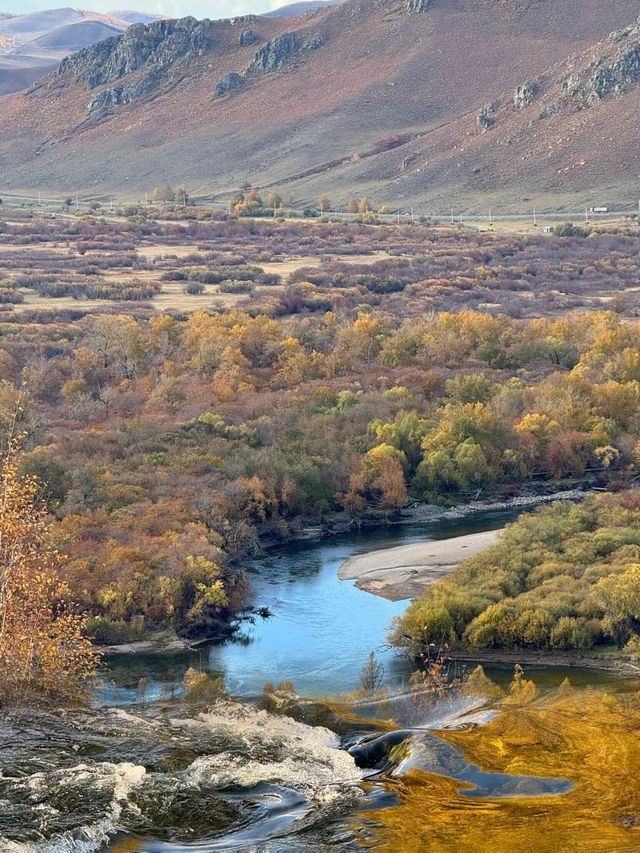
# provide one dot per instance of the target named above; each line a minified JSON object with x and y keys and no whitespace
{"x":236,"y":287}
{"x":44,"y":651}
{"x":194,"y":288}
{"x":200,"y":687}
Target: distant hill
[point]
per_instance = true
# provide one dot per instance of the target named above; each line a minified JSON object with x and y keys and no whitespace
{"x":427,"y":103}
{"x":293,"y":9}
{"x":37,"y":23}
{"x":70,"y":38}
{"x":32,"y":45}
{"x":133,"y":17}
{"x":18,"y":72}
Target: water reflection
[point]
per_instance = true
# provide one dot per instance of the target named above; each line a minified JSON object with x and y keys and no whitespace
{"x":322,"y":628}
{"x":585,"y":736}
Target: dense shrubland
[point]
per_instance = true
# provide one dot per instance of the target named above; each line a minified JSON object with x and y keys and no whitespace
{"x":566,"y":578}
{"x":418,"y":268}
{"x":171,"y":447}
{"x":83,"y":287}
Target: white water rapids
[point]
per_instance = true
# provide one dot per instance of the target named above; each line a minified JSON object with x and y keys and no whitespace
{"x":231,"y":771}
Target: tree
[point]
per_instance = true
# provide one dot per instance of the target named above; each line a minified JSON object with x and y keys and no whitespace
{"x":250,"y":204}
{"x":116,"y":341}
{"x":470,"y":389}
{"x":407,"y":433}
{"x":364,"y":205}
{"x":165,"y":193}
{"x":324,"y":203}
{"x":619,"y":598}
{"x":352,"y":206}
{"x":389,"y":484}
{"x":43,"y":649}
{"x":372,"y":675}
{"x":274,"y":199}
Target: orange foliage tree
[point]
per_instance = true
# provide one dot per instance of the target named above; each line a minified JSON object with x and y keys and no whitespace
{"x":44,"y":653}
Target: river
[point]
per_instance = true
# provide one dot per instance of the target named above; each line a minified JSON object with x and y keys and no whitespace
{"x":321,"y":631}
{"x":474,"y":768}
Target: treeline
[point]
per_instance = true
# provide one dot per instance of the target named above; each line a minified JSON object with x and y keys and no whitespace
{"x":83,"y":288}
{"x":566,"y":577}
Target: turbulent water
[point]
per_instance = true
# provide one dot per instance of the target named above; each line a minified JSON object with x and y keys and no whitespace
{"x":481,"y":766}
{"x":75,"y":781}
{"x":473,"y":768}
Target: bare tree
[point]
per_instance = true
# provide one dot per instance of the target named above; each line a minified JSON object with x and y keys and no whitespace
{"x":372,"y":675}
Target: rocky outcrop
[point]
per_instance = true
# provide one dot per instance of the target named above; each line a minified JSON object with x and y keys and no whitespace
{"x":418,"y":5}
{"x":551,"y":109}
{"x":275,"y":53}
{"x":525,"y":94}
{"x":611,"y":74}
{"x":272,"y":56}
{"x":158,"y":44}
{"x":229,"y":83}
{"x":247,"y":37}
{"x":102,"y":103}
{"x":278,"y":52}
{"x":487,"y":115}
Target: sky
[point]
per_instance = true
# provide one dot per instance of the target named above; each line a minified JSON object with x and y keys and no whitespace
{"x":172,"y":8}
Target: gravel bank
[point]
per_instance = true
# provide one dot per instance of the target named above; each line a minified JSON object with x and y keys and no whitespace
{"x":404,"y":572}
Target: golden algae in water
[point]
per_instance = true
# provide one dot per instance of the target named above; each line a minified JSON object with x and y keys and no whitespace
{"x":590,"y":737}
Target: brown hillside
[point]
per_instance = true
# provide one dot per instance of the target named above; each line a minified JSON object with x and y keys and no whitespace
{"x":298,"y":109}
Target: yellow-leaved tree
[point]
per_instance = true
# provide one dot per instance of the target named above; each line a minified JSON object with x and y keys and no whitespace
{"x":44,"y":653}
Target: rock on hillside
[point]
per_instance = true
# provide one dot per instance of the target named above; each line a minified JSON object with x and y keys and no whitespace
{"x":33,"y":44}
{"x":613,"y":71}
{"x":609,"y":69}
{"x":156,"y":45}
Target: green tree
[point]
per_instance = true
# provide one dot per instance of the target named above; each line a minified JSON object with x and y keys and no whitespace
{"x":619,"y":597}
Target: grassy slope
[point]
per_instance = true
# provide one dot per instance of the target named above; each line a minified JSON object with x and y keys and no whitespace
{"x":376,"y":75}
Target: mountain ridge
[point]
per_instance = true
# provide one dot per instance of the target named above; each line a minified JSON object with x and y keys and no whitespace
{"x":349,"y":99}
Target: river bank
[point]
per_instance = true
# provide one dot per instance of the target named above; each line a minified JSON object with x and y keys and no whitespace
{"x":423,"y":513}
{"x":406,"y":571}
{"x":150,"y":646}
{"x":420,"y":512}
{"x":415,"y":514}
{"x":611,"y":662}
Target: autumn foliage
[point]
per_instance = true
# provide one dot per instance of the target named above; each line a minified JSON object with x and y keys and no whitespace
{"x":399,"y":363}
{"x":43,"y":650}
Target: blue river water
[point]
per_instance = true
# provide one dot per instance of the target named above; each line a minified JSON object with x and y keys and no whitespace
{"x":321,"y":631}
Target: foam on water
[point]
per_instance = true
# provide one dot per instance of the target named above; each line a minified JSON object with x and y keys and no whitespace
{"x":118,"y":779}
{"x":281,"y":751}
{"x":243,"y":756}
